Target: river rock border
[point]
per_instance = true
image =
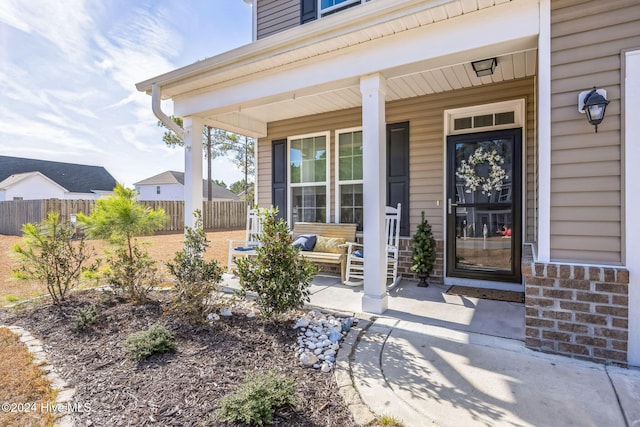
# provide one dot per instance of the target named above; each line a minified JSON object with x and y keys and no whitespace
{"x":65,"y":392}
{"x":342,"y":372}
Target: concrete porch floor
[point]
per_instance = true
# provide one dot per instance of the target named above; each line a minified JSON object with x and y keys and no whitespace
{"x":429,"y":306}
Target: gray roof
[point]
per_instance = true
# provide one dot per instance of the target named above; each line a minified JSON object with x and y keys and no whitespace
{"x":73,"y":177}
{"x":174,"y":177}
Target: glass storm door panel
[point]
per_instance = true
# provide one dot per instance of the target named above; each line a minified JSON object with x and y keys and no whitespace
{"x":483,"y":205}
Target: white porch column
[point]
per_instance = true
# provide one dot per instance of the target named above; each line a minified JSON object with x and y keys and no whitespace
{"x":372,"y":87}
{"x":544,"y":133}
{"x":631,"y":130}
{"x":193,"y":127}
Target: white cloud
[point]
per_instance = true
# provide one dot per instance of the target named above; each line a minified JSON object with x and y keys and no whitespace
{"x":68,"y":74}
{"x":138,"y":48}
{"x":62,"y":23}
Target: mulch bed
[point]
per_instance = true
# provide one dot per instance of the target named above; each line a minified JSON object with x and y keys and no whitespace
{"x":174,"y":389}
{"x":493,"y":294}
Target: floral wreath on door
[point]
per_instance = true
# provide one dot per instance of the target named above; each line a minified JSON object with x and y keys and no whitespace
{"x":472,"y":181}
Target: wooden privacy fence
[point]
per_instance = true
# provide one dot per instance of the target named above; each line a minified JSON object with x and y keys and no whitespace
{"x":215,"y":214}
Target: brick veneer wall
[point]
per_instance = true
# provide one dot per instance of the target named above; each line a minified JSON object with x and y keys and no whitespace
{"x":576,"y":310}
{"x":404,"y":261}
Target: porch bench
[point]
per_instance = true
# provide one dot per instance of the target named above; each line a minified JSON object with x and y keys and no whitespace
{"x":347,"y":232}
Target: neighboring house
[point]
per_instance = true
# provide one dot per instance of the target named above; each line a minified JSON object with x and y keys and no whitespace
{"x":169,"y":185}
{"x":356,"y":105}
{"x":31,"y":179}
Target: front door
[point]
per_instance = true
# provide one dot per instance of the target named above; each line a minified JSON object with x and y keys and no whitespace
{"x":484,"y":205}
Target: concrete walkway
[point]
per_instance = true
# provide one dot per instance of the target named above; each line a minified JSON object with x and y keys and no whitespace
{"x":444,"y":360}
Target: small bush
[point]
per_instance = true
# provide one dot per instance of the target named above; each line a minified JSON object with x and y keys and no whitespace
{"x":256,"y":399}
{"x":132,"y":274}
{"x":85,"y":317}
{"x":196,"y":279}
{"x":277,"y":274}
{"x":49,"y":254}
{"x":155,"y":339}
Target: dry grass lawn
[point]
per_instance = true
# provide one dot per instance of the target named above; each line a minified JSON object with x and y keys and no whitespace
{"x":162,"y":248}
{"x":21,"y":382}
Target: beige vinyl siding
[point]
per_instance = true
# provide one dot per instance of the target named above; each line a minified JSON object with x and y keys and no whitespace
{"x":275,"y":16}
{"x":427,"y":148}
{"x":586,"y":40}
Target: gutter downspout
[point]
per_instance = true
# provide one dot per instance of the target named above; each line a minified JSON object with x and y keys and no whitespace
{"x":156,"y":95}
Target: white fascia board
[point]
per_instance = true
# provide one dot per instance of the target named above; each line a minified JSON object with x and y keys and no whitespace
{"x":457,"y":40}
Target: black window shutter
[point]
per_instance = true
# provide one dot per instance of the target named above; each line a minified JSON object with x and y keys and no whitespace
{"x":398,"y":171}
{"x":279,"y":177}
{"x":308,"y":10}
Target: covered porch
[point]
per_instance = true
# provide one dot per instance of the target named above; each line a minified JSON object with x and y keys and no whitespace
{"x":382,"y":63}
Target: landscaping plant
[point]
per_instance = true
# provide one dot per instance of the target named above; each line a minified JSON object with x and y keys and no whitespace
{"x":276,"y":273}
{"x":256,"y":399}
{"x":153,"y":340}
{"x":49,"y":254}
{"x":120,"y":218}
{"x":85,"y":317}
{"x":423,"y":251}
{"x":196,"y":284}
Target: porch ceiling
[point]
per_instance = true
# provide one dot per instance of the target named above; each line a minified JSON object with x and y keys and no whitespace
{"x":244,"y":89}
{"x":511,"y":66}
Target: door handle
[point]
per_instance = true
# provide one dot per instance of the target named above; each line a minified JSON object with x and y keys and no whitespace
{"x":449,"y":205}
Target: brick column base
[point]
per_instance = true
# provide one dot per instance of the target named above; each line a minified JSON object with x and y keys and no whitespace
{"x":579,"y":311}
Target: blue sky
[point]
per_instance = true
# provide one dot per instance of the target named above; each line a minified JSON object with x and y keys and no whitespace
{"x":68,"y":71}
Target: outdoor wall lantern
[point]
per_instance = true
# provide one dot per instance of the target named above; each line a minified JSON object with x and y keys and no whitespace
{"x":484,"y":67}
{"x":594,"y":103}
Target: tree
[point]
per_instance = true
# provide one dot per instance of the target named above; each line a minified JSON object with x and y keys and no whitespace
{"x":242,"y":151}
{"x":120,"y":218}
{"x":424,"y":254}
{"x":220,"y":183}
{"x":239,"y":187}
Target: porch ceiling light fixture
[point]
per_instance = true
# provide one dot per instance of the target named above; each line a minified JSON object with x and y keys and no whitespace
{"x":594,"y":103}
{"x":484,"y":67}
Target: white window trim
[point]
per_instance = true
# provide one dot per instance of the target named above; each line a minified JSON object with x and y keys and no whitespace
{"x":322,"y":12}
{"x":337,"y":175}
{"x":327,"y":135}
{"x":517,"y":106}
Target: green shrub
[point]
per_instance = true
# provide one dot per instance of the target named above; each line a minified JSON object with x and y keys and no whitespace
{"x":256,"y":399}
{"x":85,"y":317}
{"x":277,"y":274}
{"x":132,"y":274}
{"x":49,"y":254}
{"x":196,"y":279}
{"x":155,"y":339}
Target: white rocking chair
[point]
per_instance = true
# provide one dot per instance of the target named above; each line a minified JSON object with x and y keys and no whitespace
{"x":355,"y":255}
{"x":247,"y":246}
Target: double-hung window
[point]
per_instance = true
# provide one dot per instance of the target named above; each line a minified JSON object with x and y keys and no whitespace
{"x":308,"y":178}
{"x":349,"y":206}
